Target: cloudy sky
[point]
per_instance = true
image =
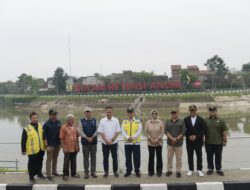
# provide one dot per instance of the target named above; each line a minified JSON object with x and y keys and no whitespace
{"x":113,"y":35}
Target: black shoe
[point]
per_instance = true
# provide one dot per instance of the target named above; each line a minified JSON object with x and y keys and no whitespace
{"x":76,"y":176}
{"x":159,"y":174}
{"x":86,"y":176}
{"x":127,"y":174}
{"x":94,"y":175}
{"x":32,"y":180}
{"x":138,"y":174}
{"x":106,"y":174}
{"x":210,"y":172}
{"x":150,"y":174}
{"x":56,"y":174}
{"x":178,"y":174}
{"x":49,"y":178}
{"x":41,"y":176}
{"x":168,"y":173}
{"x":116,"y":174}
{"x":219,"y":172}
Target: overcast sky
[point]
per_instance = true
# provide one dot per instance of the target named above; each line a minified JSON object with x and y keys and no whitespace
{"x":113,"y":35}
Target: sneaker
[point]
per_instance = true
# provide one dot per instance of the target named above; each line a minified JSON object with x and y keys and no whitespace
{"x":178,"y":174}
{"x":41,"y":176}
{"x":94,"y":175}
{"x":189,"y":173}
{"x":65,"y":178}
{"x":49,"y":178}
{"x":150,"y":174}
{"x":210,"y":172}
{"x":219,"y":172}
{"x":168,"y":173}
{"x":138,"y":174}
{"x":200,"y":173}
{"x":127,"y":174}
{"x":159,"y":174}
{"x":86,"y":176}
{"x":106,"y":174}
{"x":76,"y":176}
{"x":116,"y":174}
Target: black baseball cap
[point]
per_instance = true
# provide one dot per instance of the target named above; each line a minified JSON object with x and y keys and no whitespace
{"x":212,"y":108}
{"x":130,"y":110}
{"x":53,"y":112}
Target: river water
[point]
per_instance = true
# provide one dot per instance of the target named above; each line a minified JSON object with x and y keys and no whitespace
{"x":235,"y":155}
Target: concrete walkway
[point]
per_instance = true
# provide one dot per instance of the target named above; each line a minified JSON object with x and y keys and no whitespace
{"x":230,"y":175}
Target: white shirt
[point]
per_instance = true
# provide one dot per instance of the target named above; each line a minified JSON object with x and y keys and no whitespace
{"x":193,"y":119}
{"x":109,"y":127}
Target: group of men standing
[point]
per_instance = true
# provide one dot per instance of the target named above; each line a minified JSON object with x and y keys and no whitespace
{"x":52,"y":136}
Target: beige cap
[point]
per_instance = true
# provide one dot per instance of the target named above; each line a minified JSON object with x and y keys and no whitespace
{"x":88,"y":109}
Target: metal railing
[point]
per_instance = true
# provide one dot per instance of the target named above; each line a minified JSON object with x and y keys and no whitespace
{"x":15,"y":164}
{"x":235,"y":155}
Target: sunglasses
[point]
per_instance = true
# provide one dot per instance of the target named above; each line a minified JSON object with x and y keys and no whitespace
{"x":173,"y":112}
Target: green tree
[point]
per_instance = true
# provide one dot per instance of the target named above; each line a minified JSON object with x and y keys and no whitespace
{"x":59,"y":80}
{"x":24,"y":83}
{"x":246,"y":67}
{"x":143,"y":76}
{"x":218,"y":65}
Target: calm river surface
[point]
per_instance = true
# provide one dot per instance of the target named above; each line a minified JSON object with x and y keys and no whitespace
{"x":235,"y":155}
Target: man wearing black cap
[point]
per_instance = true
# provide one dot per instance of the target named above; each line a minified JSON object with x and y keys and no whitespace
{"x":51,"y":130}
{"x":215,"y":138}
{"x":131,"y":130}
{"x":195,"y":131}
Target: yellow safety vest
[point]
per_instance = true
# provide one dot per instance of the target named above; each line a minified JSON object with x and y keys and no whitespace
{"x":131,"y":129}
{"x":34,"y":139}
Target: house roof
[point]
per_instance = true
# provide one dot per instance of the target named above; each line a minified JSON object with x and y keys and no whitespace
{"x":192,"y":67}
{"x":206,"y":72}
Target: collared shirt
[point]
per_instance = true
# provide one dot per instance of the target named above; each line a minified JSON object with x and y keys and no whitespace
{"x":154,"y":129}
{"x":193,"y":120}
{"x":175,"y":128}
{"x":69,"y":137}
{"x":135,"y":135}
{"x":215,"y":129}
{"x":109,"y":127}
{"x":51,"y":132}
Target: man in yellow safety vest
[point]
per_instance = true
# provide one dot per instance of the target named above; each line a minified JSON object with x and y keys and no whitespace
{"x":131,"y":130}
{"x":33,"y":145}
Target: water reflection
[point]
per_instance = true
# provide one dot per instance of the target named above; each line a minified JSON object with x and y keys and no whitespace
{"x":237,"y":122}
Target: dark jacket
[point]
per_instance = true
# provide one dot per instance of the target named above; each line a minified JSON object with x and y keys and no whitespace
{"x":51,"y":132}
{"x":199,"y":128}
{"x":89,"y":128}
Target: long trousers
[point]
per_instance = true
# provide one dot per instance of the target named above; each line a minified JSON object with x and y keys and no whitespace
{"x":89,"y":151}
{"x":106,"y":149}
{"x":35,"y":164}
{"x":135,"y":151}
{"x":214,"y":151}
{"x":69,"y":161}
{"x":197,"y":148}
{"x":155,"y":150}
